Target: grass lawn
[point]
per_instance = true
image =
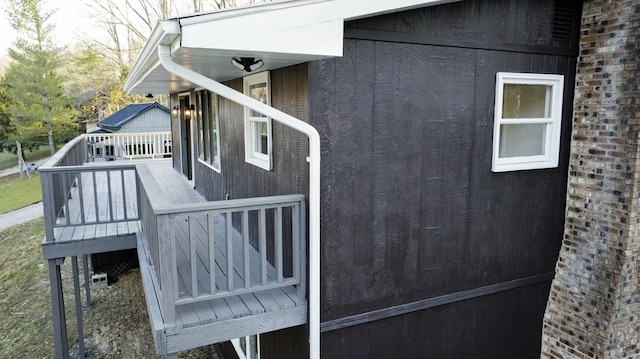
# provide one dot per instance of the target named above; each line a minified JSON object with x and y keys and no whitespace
{"x":8,"y":159}
{"x":17,"y":192}
{"x":116,"y":326}
{"x":25,"y":307}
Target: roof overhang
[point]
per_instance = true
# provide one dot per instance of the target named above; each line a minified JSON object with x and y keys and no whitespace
{"x":281,"y":34}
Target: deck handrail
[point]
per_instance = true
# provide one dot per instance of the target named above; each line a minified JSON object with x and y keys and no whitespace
{"x":264,"y":259}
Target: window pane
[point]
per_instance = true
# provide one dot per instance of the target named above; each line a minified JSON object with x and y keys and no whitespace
{"x":261,"y":131}
{"x":201,"y":130}
{"x":522,"y":140}
{"x":258,"y":92}
{"x":253,"y":347}
{"x":526,"y":101}
{"x":214,"y":126}
{"x":243,"y":345}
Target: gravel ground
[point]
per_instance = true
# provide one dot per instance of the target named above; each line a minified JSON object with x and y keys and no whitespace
{"x":117,"y":325}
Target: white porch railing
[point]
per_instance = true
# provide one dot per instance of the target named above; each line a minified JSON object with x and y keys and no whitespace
{"x":110,"y":146}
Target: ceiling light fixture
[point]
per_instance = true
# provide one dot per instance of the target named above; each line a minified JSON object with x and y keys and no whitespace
{"x":247,"y":64}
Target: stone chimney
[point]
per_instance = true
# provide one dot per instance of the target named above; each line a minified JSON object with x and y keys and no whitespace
{"x":594,"y":305}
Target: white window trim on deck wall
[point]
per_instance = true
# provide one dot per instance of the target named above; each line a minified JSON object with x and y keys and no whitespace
{"x":253,"y":154}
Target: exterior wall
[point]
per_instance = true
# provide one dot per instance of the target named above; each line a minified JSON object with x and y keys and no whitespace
{"x":420,"y":240}
{"x":238,"y":179}
{"x":153,"y":120}
{"x":593,"y":307}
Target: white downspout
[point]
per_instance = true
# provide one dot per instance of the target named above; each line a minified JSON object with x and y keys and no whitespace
{"x":164,"y":54}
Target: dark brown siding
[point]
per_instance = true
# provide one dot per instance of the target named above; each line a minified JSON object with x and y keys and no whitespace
{"x":410,"y":208}
{"x":239,"y":179}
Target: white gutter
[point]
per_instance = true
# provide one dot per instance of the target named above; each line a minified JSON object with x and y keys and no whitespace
{"x":164,"y":54}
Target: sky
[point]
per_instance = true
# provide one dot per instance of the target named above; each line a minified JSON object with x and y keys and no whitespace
{"x":69,"y":20}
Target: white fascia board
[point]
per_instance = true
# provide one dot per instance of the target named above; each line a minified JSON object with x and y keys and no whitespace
{"x":166,"y":32}
{"x":316,"y":40}
{"x":314,"y":25}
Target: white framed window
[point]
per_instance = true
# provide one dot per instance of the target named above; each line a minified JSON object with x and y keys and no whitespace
{"x":257,"y":126}
{"x":206,"y":113}
{"x":528,"y":115}
{"x":247,"y":347}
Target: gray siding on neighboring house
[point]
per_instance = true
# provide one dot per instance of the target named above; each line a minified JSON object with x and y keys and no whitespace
{"x":152,"y":120}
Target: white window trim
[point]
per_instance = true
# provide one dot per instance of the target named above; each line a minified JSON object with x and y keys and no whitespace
{"x":252,"y":156}
{"x":216,"y":163}
{"x":241,"y":352}
{"x":552,"y":141}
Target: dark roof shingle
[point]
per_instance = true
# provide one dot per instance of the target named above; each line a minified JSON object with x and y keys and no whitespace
{"x":129,"y":112}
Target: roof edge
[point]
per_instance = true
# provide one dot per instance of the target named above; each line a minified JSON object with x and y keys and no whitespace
{"x":166,"y":32}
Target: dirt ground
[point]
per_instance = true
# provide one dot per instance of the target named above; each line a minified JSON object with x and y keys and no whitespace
{"x":117,"y":325}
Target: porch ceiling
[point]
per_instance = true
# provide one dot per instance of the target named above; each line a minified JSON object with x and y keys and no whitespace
{"x":212,"y":63}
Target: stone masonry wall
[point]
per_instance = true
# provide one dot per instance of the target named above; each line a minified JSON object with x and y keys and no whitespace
{"x":594,"y":305}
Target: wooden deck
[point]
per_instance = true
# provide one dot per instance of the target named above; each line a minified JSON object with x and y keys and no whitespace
{"x":221,"y":319}
{"x":101,"y":213}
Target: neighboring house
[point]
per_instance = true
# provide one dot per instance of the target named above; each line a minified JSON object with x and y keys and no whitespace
{"x":138,"y":118}
{"x":150,"y":118}
{"x":386,"y":179}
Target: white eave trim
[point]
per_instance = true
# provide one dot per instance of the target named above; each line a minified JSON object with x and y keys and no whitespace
{"x":166,"y":32}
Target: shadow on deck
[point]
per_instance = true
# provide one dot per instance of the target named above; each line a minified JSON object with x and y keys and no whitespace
{"x":212,"y":271}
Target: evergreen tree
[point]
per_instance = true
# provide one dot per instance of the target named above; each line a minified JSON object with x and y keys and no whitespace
{"x":41,"y":112}
{"x":6,"y":126}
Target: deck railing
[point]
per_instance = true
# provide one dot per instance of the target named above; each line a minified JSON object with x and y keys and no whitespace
{"x":199,"y":251}
{"x":70,"y":194}
{"x":110,"y":146}
{"x":232,"y":247}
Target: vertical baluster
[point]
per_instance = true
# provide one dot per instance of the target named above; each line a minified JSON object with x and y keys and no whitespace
{"x":95,"y":196}
{"x":81,"y":198}
{"x":109,"y":196}
{"x":229,"y":233}
{"x":301,"y":231}
{"x":262,"y":248}
{"x":65,"y":190}
{"x":295,"y":240}
{"x":246,"y":248}
{"x":212,"y":257}
{"x":278,"y":245}
{"x":193,"y":258}
{"x":149,"y":142}
{"x":124,"y":196}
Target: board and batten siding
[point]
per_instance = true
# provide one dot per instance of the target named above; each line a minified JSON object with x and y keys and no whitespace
{"x":152,"y":120}
{"x":238,"y":179}
{"x":425,"y":251}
